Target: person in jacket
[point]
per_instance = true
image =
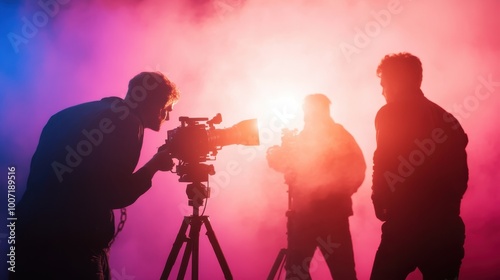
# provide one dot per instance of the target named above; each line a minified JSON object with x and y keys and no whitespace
{"x":420,"y":174}
{"x":83,"y":168}
{"x":323,"y":167}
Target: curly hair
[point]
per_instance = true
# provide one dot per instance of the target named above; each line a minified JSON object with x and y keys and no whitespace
{"x":401,"y":68}
{"x":157,"y":86}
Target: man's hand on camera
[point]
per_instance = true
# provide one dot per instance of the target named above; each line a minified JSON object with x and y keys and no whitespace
{"x":161,"y":161}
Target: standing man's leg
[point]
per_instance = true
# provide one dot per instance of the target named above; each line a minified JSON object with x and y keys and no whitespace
{"x":300,"y":251}
{"x":336,"y":246}
{"x":443,"y":250}
{"x":396,"y":255}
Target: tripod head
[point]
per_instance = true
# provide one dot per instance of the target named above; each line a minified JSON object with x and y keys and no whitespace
{"x":197,"y":192}
{"x":195,"y":174}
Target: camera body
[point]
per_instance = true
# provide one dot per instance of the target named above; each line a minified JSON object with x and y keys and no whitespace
{"x":190,"y":141}
{"x":281,"y":158}
{"x":197,"y":140}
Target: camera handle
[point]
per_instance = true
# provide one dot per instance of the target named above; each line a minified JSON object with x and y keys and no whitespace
{"x":196,"y":192}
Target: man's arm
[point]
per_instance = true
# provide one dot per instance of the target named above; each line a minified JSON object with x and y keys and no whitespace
{"x":119,"y":185}
{"x":384,"y":178}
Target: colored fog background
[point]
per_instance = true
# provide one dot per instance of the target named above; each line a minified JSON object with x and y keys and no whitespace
{"x":252,"y":59}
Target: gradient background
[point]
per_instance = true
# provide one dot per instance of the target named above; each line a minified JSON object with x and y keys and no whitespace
{"x":253,"y":59}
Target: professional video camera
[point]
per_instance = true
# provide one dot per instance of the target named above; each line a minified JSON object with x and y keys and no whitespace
{"x":196,"y":140}
{"x":281,"y":157}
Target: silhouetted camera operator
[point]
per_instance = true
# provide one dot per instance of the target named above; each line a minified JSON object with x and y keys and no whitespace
{"x":83,"y":168}
{"x":323,"y":166}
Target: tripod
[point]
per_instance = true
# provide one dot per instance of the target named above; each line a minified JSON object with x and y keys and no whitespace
{"x":283,"y":253}
{"x":196,"y":192}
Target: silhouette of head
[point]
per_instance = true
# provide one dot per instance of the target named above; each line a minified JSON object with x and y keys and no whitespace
{"x":151,"y":95}
{"x":400,"y":74}
{"x":316,"y":107}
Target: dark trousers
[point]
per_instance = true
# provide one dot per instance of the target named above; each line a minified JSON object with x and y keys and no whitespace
{"x":435,"y":248}
{"x":62,"y":261}
{"x":331,"y":236}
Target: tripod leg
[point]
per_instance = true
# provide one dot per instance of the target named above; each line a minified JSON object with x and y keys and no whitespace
{"x":185,"y":260}
{"x":194,"y":236}
{"x":176,"y":247}
{"x":277,"y":263}
{"x":218,"y":251}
